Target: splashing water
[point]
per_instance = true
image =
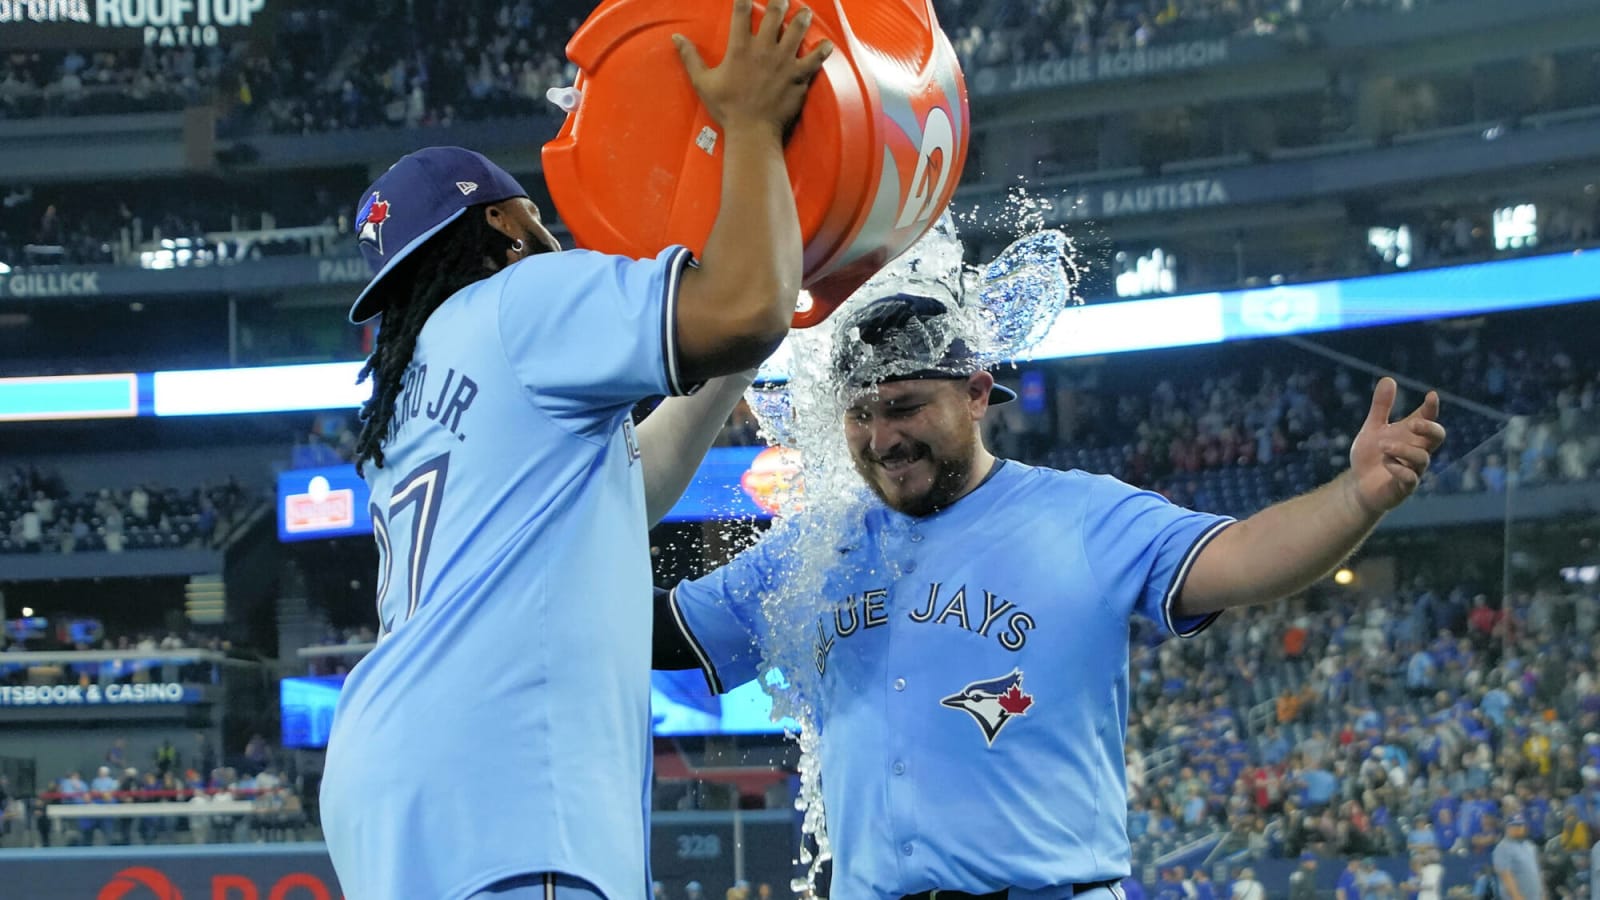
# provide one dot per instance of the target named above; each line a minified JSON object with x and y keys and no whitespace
{"x":1019,"y":213}
{"x":1000,"y":311}
{"x":1025,"y":288}
{"x":773,"y":406}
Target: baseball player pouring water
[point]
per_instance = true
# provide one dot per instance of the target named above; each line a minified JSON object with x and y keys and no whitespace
{"x":973,"y":660}
{"x":472,"y":755}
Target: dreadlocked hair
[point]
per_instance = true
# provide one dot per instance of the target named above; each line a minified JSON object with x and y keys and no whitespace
{"x":460,"y":254}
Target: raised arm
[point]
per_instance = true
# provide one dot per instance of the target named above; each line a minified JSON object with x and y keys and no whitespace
{"x":1287,"y":546}
{"x":676,"y":435}
{"x":735,"y":307}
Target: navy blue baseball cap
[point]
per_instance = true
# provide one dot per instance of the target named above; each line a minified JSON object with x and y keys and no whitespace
{"x":413,"y":201}
{"x":906,"y":325}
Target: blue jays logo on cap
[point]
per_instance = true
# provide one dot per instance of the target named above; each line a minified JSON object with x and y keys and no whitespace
{"x":992,"y":703}
{"x":370,"y":219}
{"x":418,"y":197}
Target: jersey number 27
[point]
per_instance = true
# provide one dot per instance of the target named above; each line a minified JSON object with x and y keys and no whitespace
{"x":419,"y":495}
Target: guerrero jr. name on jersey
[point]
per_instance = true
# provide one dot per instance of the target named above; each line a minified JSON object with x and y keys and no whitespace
{"x":992,"y":616}
{"x":442,"y":401}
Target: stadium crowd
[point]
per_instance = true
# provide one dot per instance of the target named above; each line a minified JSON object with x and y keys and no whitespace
{"x":1018,"y":31}
{"x":93,"y":636}
{"x":38,"y":514}
{"x":1280,"y":424}
{"x":349,"y":65}
{"x":197,"y":778}
{"x":1415,"y":722}
{"x":78,"y":225}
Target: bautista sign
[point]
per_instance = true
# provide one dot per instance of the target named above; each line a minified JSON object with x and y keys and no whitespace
{"x":95,"y":24}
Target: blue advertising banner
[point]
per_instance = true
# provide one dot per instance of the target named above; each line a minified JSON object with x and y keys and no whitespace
{"x":306,"y":707}
{"x":681,"y":705}
{"x":325,"y":502}
{"x":731,"y":483}
{"x":738,"y":483}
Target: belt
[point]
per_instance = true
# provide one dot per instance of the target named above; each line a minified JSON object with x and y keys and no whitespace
{"x":1075,"y":890}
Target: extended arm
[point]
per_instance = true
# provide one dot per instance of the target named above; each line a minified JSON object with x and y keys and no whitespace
{"x":712,"y":622}
{"x":1286,"y":547}
{"x":671,"y":649}
{"x":676,"y":435}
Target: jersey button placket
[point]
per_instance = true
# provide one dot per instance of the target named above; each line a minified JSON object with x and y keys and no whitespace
{"x":902,"y":713}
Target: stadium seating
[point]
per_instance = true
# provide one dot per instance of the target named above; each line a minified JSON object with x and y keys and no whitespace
{"x":46,"y":519}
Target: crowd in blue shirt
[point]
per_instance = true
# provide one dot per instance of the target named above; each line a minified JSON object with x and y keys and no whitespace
{"x":1373,"y":739}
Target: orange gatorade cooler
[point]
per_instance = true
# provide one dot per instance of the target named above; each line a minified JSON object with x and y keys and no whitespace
{"x":873,"y":160}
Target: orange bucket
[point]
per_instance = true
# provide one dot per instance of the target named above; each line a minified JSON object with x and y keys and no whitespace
{"x":874,"y":159}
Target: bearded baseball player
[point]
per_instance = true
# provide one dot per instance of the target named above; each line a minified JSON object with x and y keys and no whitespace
{"x":974,"y":704}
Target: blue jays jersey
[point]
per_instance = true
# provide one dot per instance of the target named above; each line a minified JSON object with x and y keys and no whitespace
{"x":973,"y":711}
{"x":501,"y":725}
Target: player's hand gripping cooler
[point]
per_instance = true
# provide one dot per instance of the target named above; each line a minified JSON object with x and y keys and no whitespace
{"x":873,"y":159}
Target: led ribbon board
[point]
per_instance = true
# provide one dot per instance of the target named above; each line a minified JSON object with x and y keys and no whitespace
{"x":1092,"y":330}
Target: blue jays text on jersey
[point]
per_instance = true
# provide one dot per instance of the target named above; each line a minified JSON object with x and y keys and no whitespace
{"x":973,"y":709}
{"x":944,"y":606}
{"x":472,"y":744}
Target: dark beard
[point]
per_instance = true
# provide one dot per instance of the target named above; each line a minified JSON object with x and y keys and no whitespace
{"x":950,"y":475}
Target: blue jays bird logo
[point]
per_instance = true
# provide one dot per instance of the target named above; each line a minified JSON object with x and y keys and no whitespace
{"x":369,"y":221}
{"x":992,"y":703}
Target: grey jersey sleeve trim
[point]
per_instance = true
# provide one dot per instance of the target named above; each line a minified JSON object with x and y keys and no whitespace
{"x":712,"y":681}
{"x":1182,"y":575}
{"x":669,"y":323}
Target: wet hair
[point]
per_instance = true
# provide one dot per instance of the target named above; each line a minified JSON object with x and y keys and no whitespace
{"x":462,"y":253}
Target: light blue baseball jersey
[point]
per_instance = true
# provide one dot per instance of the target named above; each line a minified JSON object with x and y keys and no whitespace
{"x":973,"y":711}
{"x":502,"y":724}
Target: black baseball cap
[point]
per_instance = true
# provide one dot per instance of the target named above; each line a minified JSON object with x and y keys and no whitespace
{"x":904,"y":338}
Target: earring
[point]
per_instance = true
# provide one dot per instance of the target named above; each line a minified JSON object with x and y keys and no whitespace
{"x":517,"y":246}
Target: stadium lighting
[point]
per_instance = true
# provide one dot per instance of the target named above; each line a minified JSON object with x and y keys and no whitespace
{"x":1344,"y":577}
{"x":1152,"y":273}
{"x":27,"y":612}
{"x":1580,"y":574}
{"x":1516,"y":227}
{"x":1392,"y":244}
